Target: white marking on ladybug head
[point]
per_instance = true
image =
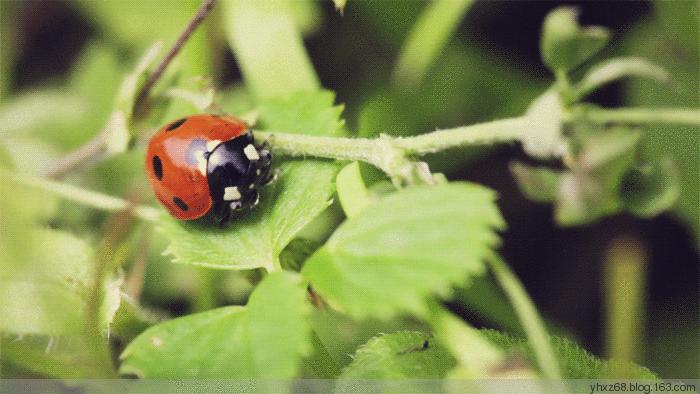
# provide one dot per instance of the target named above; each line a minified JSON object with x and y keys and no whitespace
{"x":211,"y":145}
{"x":251,"y":186}
{"x":257,"y":172}
{"x":202,"y":165}
{"x":231,"y":193}
{"x":251,"y":153}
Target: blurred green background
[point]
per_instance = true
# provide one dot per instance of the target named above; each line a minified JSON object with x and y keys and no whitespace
{"x":61,"y":64}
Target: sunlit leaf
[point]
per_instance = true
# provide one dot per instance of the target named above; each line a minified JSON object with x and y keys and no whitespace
{"x":266,"y":338}
{"x":352,"y":193}
{"x":399,"y":355}
{"x":310,"y":112}
{"x":268,"y":47}
{"x":404,"y":248}
{"x":47,"y":294}
{"x":302,"y":191}
{"x":576,"y":363}
{"x":476,"y":355}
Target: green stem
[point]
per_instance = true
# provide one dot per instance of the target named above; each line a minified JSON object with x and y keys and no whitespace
{"x":528,"y":316}
{"x":86,"y":197}
{"x":634,"y":116}
{"x":625,"y":278}
{"x":504,"y":130}
{"x":390,"y":154}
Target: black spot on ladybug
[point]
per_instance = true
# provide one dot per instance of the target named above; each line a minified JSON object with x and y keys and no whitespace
{"x":175,"y":124}
{"x":158,"y":167}
{"x":180,"y":204}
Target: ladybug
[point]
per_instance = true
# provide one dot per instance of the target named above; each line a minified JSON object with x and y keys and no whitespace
{"x":205,"y":163}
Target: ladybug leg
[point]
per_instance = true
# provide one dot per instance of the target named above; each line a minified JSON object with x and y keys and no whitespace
{"x":222,"y":214}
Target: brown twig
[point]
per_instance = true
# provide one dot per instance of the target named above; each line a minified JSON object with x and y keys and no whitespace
{"x":96,"y":147}
{"x":202,"y":13}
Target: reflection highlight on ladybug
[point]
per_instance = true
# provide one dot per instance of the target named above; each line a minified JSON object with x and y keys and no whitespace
{"x":205,"y":163}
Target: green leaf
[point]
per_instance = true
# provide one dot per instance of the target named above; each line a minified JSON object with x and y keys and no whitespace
{"x":268,"y":47}
{"x":476,"y":356}
{"x":649,"y":189}
{"x":301,"y":192}
{"x":591,"y":189}
{"x":296,"y":253}
{"x":576,"y":363}
{"x":340,"y":336}
{"x":310,"y":112}
{"x":399,"y":355}
{"x":265,"y":339}
{"x":536,"y":183}
{"x":618,"y":68}
{"x":46,"y":291}
{"x":352,"y":193}
{"x":564,"y":44}
{"x":118,"y":124}
{"x":543,"y":133}
{"x":658,"y":39}
{"x":406,"y":247}
{"x":427,"y":38}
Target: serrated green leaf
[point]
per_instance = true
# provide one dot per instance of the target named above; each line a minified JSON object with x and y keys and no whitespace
{"x":613,"y":69}
{"x":536,"y":183}
{"x":650,"y":189}
{"x":352,"y":193}
{"x":564,"y":44}
{"x":265,"y":339}
{"x":543,"y":132}
{"x":576,"y":363}
{"x":400,"y":355}
{"x":406,"y":247}
{"x":476,"y":356}
{"x":310,"y":112}
{"x":301,"y":192}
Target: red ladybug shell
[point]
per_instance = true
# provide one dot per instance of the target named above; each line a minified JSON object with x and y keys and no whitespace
{"x":176,"y":161}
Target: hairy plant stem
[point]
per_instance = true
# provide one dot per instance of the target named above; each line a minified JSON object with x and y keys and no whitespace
{"x":393,"y":154}
{"x":643,"y":116}
{"x":528,"y":316}
{"x":83,"y":196}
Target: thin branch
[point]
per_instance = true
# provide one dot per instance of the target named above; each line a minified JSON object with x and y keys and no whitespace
{"x":643,"y":116}
{"x":198,"y":18}
{"x":83,"y":196}
{"x":528,"y":316}
{"x":390,"y":154}
{"x":96,"y":147}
